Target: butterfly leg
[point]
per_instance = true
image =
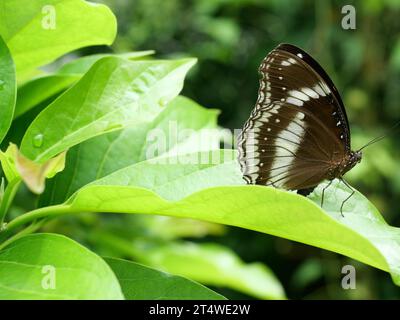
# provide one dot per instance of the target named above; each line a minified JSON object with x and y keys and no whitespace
{"x":323,"y":193}
{"x":351,"y":194}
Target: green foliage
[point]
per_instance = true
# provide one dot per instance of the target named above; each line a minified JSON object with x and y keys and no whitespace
{"x":8,"y":89}
{"x":113,"y":94}
{"x":134,"y":280}
{"x":78,"y":272}
{"x":202,"y":192}
{"x":32,"y":44}
{"x":211,"y":264}
{"x":41,"y":88}
{"x":108,"y":153}
{"x":132,"y":145}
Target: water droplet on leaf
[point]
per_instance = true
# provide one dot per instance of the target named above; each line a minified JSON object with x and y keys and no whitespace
{"x":162,"y":102}
{"x":38,"y":140}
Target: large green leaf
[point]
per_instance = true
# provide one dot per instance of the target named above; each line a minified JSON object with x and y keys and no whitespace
{"x":143,"y":283}
{"x":7,"y":89}
{"x":105,"y":154}
{"x":39,"y":31}
{"x":213,"y":193}
{"x":113,"y":94}
{"x":40,"y":89}
{"x":49,"y":266}
{"x":48,"y":86}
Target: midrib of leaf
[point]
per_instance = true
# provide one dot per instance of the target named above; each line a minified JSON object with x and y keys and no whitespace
{"x":171,"y":181}
{"x":103,"y":160}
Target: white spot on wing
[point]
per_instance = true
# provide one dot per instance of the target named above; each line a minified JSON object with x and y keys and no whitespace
{"x":299,"y":95}
{"x":319,"y":90}
{"x":294,"y":101}
{"x":284,"y":154}
{"x":325,"y":87}
{"x":311,"y":93}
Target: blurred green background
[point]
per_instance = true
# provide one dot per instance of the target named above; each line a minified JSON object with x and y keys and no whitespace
{"x":230,"y":38}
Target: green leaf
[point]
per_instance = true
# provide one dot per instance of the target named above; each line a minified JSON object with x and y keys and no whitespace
{"x":211,"y":264}
{"x":172,"y":179}
{"x":213,"y":193}
{"x":49,"y":266}
{"x":7,"y":160}
{"x":168,"y":228}
{"x":44,"y":87}
{"x":8,"y":89}
{"x":39,"y":31}
{"x":105,"y":154}
{"x":113,"y":94}
{"x":39,"y":89}
{"x":143,"y":283}
{"x":83,"y":64}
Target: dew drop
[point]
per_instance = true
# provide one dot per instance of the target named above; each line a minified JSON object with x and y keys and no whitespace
{"x":38,"y":140}
{"x":162,"y":102}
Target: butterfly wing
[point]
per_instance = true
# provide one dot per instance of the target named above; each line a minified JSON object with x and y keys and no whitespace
{"x":298,"y":129}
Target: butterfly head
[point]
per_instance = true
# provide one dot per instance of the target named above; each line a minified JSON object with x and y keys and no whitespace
{"x":354,"y":158}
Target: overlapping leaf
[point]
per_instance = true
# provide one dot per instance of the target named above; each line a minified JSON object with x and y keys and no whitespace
{"x":183,"y":126}
{"x":142,"y":283}
{"x":47,"y":86}
{"x":49,"y":266}
{"x":47,"y":29}
{"x":213,"y":192}
{"x":113,"y":94}
{"x":8,"y":89}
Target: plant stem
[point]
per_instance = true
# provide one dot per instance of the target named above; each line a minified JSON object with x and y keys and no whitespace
{"x":8,"y":198}
{"x":28,"y":230}
{"x":45,"y":212}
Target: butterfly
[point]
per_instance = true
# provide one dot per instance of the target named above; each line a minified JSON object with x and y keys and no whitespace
{"x":298,"y":134}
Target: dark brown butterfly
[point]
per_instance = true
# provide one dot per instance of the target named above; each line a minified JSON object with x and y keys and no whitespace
{"x":298,"y":134}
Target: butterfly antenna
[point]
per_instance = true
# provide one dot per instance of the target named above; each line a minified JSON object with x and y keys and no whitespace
{"x":390,"y":131}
